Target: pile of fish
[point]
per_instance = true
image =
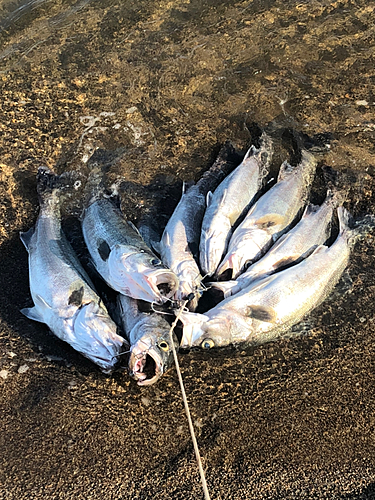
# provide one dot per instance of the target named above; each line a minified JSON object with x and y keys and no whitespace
{"x":271,"y":242}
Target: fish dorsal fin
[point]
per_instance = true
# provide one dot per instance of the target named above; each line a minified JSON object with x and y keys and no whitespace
{"x":281,"y":241}
{"x":250,"y":152}
{"x":262,"y":313}
{"x":310,"y":209}
{"x":26,"y":237}
{"x":32,"y":313}
{"x":193,"y":248}
{"x":155,"y":245}
{"x":166,"y":240}
{"x":208,"y":198}
{"x":285,"y":170}
{"x":319,"y":249}
{"x":133,"y":227}
{"x":269,"y":221}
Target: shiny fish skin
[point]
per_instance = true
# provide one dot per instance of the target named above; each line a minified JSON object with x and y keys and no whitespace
{"x":148,"y":334}
{"x":272,"y":305}
{"x":63,"y":294}
{"x":270,"y":216}
{"x":312,"y":230}
{"x":228,"y":202}
{"x":179,"y":244}
{"x":121,"y":256}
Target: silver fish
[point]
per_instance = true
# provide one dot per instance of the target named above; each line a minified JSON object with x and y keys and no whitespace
{"x":119,"y":253}
{"x":270,"y":216}
{"x":312,"y":230}
{"x":63,"y":294}
{"x":179,"y":244}
{"x":228,"y":202}
{"x":150,"y":341}
{"x":272,"y":305}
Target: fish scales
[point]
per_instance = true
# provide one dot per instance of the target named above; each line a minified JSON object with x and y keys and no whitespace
{"x":224,"y":206}
{"x":64,"y":296}
{"x":179,"y":244}
{"x":272,"y":305}
{"x":149,"y":338}
{"x":312,"y":230}
{"x":119,"y":253}
{"x":271,"y":215}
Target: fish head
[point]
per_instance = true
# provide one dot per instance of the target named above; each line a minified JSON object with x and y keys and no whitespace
{"x":212,"y":246}
{"x":194,"y":327}
{"x":221,"y":330}
{"x":243,"y":250}
{"x":152,"y":354}
{"x":95,"y":335}
{"x":141,"y":275}
{"x":190,"y":283}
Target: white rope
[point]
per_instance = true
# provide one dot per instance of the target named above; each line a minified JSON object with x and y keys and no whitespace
{"x":191,"y":427}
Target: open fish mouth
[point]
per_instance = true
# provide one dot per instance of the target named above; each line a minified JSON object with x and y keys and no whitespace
{"x":164,"y":283}
{"x":145,"y":366}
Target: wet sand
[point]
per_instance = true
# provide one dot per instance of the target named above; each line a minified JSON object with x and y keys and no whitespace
{"x":164,"y":84}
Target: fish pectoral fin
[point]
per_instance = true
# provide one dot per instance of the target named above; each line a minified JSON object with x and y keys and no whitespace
{"x":32,"y":313}
{"x":41,"y":303}
{"x":223,"y":198}
{"x":270,"y":220}
{"x":208,"y":198}
{"x":133,"y":227}
{"x":26,"y":237}
{"x":319,"y":249}
{"x":310,"y":209}
{"x":166,"y":240}
{"x":262,"y":313}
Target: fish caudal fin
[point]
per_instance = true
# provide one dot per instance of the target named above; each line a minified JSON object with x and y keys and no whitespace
{"x":361,"y":228}
{"x":48,"y":184}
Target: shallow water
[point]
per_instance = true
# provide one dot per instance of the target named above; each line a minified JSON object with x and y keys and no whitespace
{"x":164,"y":84}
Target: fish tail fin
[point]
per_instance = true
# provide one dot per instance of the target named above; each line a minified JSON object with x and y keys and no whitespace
{"x":360,"y":228}
{"x":335,"y":197}
{"x":98,"y":166}
{"x":265,"y":153}
{"x":307,"y":167}
{"x":52,"y":188}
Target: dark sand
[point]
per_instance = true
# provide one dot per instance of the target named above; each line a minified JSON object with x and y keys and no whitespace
{"x":290,"y":419}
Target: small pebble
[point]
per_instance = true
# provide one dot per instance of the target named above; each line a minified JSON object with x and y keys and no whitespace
{"x":4,"y":374}
{"x":361,"y":103}
{"x":23,"y":369}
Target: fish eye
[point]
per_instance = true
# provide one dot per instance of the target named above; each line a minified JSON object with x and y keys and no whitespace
{"x":155,"y":262}
{"x":163,"y":345}
{"x":207,"y":344}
